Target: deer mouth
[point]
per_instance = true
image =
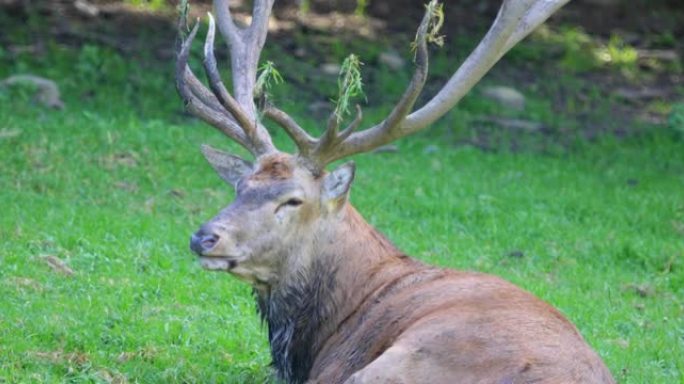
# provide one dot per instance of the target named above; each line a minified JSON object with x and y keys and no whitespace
{"x":218,"y":263}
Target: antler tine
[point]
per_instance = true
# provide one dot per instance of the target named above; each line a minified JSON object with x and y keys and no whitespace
{"x":354,"y":125}
{"x":311,"y":149}
{"x":332,"y":138}
{"x":539,"y":12}
{"x":245,"y":48}
{"x":329,"y":136}
{"x":259,"y":27}
{"x":301,"y":138}
{"x":234,"y":116}
{"x":187,"y":83}
{"x":487,"y":52}
{"x":221,"y":93}
{"x":332,"y":145}
{"x":229,"y":31}
{"x":200,"y":101}
{"x":516,"y":19}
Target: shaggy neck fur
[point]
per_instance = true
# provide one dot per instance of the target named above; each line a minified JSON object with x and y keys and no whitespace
{"x":294,"y":315}
{"x":307,"y":308}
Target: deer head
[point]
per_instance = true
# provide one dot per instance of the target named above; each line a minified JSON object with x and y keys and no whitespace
{"x":287,"y":203}
{"x":280,"y":212}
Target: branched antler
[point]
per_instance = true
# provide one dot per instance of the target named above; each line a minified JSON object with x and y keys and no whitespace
{"x":199,"y":100}
{"x":334,"y":144}
{"x":237,"y":118}
{"x":234,"y":116}
{"x":515,"y":20}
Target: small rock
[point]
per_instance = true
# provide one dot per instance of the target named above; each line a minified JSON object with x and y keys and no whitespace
{"x":86,"y":8}
{"x":330,"y":69}
{"x":47,"y":91}
{"x":25,"y":282}
{"x":506,"y":96}
{"x":120,"y":159}
{"x":392,"y":60}
{"x":431,"y":149}
{"x":669,"y":55}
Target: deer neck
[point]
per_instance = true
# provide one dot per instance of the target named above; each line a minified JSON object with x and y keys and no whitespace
{"x":309,"y":306}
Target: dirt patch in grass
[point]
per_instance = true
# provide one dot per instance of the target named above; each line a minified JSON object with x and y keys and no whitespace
{"x":60,"y":357}
{"x":24,"y":283}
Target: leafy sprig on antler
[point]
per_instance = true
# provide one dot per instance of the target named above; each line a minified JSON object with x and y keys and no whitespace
{"x":268,"y":77}
{"x":349,"y":84}
{"x":434,"y":11}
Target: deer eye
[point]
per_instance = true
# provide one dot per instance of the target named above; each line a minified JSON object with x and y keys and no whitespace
{"x":293,"y":202}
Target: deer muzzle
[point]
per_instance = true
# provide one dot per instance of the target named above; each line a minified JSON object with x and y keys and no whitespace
{"x":203,"y":243}
{"x":206,"y":243}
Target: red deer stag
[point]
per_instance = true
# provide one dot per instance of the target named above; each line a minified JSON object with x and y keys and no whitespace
{"x":342,"y":304}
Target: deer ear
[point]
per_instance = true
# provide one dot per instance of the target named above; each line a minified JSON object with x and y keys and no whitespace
{"x":336,"y":185}
{"x":230,"y":167}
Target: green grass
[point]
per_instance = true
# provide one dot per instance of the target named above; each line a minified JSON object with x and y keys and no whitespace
{"x":115,"y":184}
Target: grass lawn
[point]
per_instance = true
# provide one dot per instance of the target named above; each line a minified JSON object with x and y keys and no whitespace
{"x":114,"y":185}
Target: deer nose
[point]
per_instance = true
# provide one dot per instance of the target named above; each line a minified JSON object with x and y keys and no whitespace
{"x":203,"y":242}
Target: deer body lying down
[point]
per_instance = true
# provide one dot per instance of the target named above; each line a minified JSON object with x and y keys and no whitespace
{"x":342,"y":304}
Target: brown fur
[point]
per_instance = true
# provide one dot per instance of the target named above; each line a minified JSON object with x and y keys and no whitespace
{"x":445,"y":324}
{"x":272,"y":168}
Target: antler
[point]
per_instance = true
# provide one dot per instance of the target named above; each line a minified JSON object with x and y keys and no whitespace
{"x":515,"y":20}
{"x":234,"y":116}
